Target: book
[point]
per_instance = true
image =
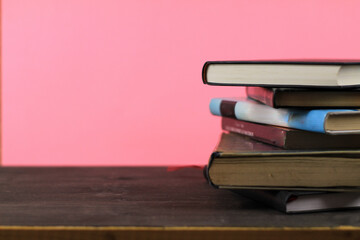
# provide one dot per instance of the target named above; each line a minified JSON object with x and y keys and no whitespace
{"x":241,"y":162}
{"x":289,"y":138}
{"x":303,"y":201}
{"x":331,"y":121}
{"x":303,"y":73}
{"x":305,"y":97}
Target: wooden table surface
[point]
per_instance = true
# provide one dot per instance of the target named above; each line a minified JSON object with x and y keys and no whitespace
{"x":146,"y":202}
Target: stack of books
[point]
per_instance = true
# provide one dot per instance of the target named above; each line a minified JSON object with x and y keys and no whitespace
{"x":294,"y":141}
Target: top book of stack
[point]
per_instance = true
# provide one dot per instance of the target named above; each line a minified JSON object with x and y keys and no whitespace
{"x":315,"y":73}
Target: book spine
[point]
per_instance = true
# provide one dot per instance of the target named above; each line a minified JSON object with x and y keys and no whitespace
{"x":261,"y":94}
{"x":204,"y":70}
{"x":309,"y":120}
{"x":207,"y":169}
{"x":264,"y":133}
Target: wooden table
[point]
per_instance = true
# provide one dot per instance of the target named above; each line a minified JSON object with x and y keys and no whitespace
{"x":146,"y":203}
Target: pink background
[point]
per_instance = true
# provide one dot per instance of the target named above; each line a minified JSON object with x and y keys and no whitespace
{"x":101,"y":82}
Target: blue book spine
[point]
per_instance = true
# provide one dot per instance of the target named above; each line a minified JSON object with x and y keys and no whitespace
{"x":309,"y":120}
{"x":249,"y":110}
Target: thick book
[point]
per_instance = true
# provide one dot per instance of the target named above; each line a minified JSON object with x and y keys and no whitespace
{"x":303,"y":201}
{"x":303,"y":73}
{"x":289,"y":138}
{"x":331,"y":121}
{"x":241,"y":162}
{"x":305,"y":97}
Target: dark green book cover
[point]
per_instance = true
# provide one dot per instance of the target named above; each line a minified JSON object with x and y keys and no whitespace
{"x":241,"y":162}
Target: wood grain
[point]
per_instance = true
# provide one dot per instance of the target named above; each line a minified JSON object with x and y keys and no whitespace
{"x":150,"y":233}
{"x":109,"y":202}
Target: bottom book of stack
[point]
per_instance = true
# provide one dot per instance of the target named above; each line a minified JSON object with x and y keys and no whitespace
{"x":289,"y":180}
{"x":303,"y":201}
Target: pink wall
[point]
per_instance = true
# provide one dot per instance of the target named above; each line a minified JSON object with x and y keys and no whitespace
{"x":101,"y":82}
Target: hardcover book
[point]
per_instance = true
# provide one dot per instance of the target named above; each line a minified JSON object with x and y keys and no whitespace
{"x":289,"y":138}
{"x":303,"y":201}
{"x":305,"y":97}
{"x":241,"y":162}
{"x":317,"y":73}
{"x":332,"y":121}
